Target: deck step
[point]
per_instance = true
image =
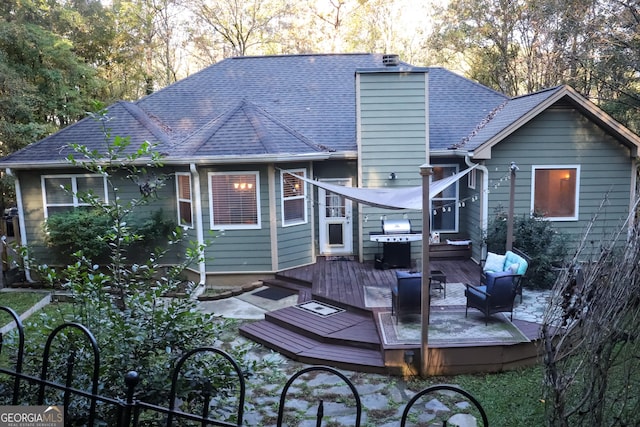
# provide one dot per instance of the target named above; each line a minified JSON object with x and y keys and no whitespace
{"x":308,"y":350}
{"x":304,"y":291}
{"x":344,"y":328}
{"x":285,"y":283}
{"x":293,"y":281}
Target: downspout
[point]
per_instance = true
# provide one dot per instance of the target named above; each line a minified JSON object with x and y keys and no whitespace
{"x":23,"y":229}
{"x":484,"y":202}
{"x":202,"y":268}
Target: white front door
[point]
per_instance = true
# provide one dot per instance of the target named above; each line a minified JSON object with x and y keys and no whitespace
{"x":336,"y":230}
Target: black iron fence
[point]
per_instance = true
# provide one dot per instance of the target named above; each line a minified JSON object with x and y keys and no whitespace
{"x":131,"y":411}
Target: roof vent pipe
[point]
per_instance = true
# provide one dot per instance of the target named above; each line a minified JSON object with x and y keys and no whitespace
{"x":390,"y":60}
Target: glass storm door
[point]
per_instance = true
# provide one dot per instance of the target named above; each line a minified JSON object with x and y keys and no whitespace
{"x":336,"y":231}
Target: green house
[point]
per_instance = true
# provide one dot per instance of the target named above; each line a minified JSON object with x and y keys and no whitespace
{"x":242,"y":138}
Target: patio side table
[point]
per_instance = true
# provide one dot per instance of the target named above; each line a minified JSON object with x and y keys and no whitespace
{"x":438,"y":280}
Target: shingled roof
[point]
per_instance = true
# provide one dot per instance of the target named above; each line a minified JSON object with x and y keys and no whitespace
{"x":291,"y":105}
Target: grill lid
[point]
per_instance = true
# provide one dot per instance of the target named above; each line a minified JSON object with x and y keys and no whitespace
{"x":396,"y":226}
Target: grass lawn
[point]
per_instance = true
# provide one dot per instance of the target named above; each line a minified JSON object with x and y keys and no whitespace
{"x":512,"y":398}
{"x":20,"y":301}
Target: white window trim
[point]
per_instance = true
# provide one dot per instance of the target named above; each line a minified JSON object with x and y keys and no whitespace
{"x":212,"y":225}
{"x":577,"y":201}
{"x":305,"y":218}
{"x":455,"y":204}
{"x":180,"y":199}
{"x":74,"y":190}
{"x":471,"y":179}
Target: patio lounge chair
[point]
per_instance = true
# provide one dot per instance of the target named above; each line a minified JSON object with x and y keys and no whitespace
{"x":406,"y":296}
{"x":496,"y":296}
{"x":514,"y":262}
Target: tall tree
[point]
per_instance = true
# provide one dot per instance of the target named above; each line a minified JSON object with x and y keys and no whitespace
{"x":331,"y":20}
{"x":146,"y":44}
{"x":236,"y":27}
{"x":384,"y":26}
{"x":520,"y":46}
{"x":43,"y":84}
{"x":618,"y":71}
{"x":484,"y":34}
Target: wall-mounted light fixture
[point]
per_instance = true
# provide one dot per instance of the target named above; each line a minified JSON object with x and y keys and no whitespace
{"x":392,"y":176}
{"x":243,"y":185}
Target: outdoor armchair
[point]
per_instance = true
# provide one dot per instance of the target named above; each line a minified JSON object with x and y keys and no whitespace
{"x":495,"y":296}
{"x":510,"y":262}
{"x":406,"y":296}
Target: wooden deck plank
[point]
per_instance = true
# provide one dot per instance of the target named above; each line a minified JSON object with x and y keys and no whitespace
{"x":530,"y":329}
{"x":281,"y":339}
{"x":344,"y":354}
{"x":349,"y":327}
{"x":351,"y":340}
{"x":366,"y":332}
{"x":317,"y":325}
{"x":310,"y":351}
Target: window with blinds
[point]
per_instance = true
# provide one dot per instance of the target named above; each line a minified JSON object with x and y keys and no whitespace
{"x":294,"y":196}
{"x":183,"y":195}
{"x":62,"y":193}
{"x":235,"y":200}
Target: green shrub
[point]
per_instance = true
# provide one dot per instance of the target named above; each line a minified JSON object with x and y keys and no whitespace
{"x":77,"y":229}
{"x":537,"y":238}
{"x":85,"y":229}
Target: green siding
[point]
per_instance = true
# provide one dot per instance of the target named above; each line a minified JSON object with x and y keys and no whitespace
{"x":295,"y":242}
{"x":471,"y":216}
{"x":393,"y":133}
{"x":565,"y":137}
{"x":237,"y":250}
{"x":30,"y":185}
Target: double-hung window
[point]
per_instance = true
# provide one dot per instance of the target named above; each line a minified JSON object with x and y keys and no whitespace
{"x":183,"y":195}
{"x":294,"y":197}
{"x":555,"y":192}
{"x":62,"y":193}
{"x":444,"y":205}
{"x":234,"y":200}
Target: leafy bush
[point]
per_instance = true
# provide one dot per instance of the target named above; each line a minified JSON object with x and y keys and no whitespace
{"x":84,"y":230}
{"x":77,"y":229}
{"x":537,"y":238}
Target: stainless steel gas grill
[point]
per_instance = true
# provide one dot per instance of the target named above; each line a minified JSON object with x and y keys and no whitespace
{"x":396,"y":237}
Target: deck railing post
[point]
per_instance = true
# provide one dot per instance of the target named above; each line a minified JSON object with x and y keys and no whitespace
{"x":512,"y":194}
{"x":426,"y":171}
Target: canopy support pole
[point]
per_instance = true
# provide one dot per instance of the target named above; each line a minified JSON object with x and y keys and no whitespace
{"x":426,"y":171}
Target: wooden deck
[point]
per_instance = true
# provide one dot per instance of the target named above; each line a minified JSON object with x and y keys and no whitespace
{"x":351,"y":339}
